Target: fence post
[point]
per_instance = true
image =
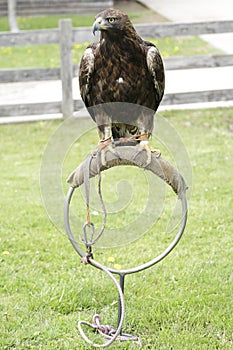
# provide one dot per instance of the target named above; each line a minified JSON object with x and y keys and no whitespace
{"x":65,"y":27}
{"x":12,"y":16}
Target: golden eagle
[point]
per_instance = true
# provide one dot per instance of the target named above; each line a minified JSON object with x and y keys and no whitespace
{"x":124,"y":69}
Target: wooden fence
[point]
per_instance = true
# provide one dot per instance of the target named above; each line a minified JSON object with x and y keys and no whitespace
{"x":65,"y":35}
{"x":45,"y":7}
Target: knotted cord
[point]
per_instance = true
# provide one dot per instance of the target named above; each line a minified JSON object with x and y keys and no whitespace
{"x":107,"y":331}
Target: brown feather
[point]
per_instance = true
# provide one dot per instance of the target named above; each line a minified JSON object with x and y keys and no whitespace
{"x":123,"y":68}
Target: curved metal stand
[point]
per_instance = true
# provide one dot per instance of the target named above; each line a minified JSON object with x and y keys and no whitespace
{"x":181,"y":192}
{"x":138,"y":268}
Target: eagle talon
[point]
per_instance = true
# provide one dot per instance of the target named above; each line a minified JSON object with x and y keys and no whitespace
{"x":107,"y":146}
{"x":156,"y":152}
{"x":103,"y":143}
{"x":143,"y":146}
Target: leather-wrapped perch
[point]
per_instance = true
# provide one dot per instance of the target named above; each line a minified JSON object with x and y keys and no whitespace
{"x":128,"y":156}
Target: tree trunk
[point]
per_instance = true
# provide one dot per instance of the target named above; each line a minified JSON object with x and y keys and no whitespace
{"x":12,"y":16}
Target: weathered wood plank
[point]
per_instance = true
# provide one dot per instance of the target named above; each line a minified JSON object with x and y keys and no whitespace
{"x":32,"y":74}
{"x":161,"y":30}
{"x":30,"y":37}
{"x":35,"y":108}
{"x":199,"y":61}
{"x":182,"y":29}
{"x":47,"y":36}
{"x":30,"y":109}
{"x":44,"y":36}
{"x":169,"y":99}
{"x":189,"y":97}
{"x":198,"y":96}
{"x":65,"y":26}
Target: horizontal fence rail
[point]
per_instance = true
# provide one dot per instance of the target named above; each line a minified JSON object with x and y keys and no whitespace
{"x":84,"y":34}
{"x":198,"y":61}
{"x":162,"y":30}
{"x":197,"y":96}
{"x":55,"y":107}
{"x":30,"y":37}
{"x":170,"y":63}
{"x":30,"y":74}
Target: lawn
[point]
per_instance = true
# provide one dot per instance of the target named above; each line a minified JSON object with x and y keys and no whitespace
{"x":43,"y":56}
{"x":185,"y":302}
{"x":46,"y":22}
{"x":51,"y":21}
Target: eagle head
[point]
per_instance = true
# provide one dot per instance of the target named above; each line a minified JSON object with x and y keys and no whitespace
{"x":111,"y":21}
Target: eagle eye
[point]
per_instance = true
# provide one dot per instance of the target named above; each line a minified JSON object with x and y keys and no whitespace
{"x":111,"y":20}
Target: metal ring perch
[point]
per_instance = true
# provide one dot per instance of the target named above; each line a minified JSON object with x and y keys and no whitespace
{"x":93,"y":166}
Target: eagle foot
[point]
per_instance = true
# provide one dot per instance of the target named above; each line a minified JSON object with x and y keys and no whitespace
{"x":156,"y":152}
{"x":105,"y":146}
{"x":143,"y":146}
{"x":142,"y":137}
{"x":103,"y":143}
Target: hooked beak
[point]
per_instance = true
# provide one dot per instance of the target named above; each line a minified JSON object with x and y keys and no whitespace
{"x":99,"y":24}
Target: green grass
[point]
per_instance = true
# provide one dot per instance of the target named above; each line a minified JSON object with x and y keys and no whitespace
{"x":47,"y":22}
{"x":185,"y":302}
{"x":43,"y":56}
